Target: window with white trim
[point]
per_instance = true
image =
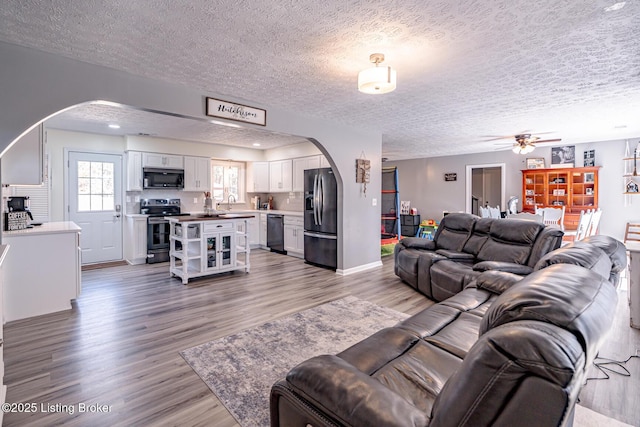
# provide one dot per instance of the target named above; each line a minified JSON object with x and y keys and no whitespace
{"x":227,"y":179}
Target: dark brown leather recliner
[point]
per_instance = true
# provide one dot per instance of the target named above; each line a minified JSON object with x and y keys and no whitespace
{"x":466,"y":245}
{"x":507,"y":350}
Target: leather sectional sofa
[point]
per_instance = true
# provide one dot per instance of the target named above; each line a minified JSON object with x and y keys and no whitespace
{"x":465,"y":245}
{"x":508,"y":350}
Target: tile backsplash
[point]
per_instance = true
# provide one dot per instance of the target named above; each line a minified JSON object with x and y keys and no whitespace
{"x":281,"y":201}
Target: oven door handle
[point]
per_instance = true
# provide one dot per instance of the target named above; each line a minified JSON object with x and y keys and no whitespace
{"x":158,"y":220}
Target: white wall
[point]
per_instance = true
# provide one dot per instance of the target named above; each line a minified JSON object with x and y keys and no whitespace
{"x":422,"y":181}
{"x":36,"y":85}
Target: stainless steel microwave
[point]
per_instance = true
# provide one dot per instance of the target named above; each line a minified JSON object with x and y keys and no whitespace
{"x":162,"y":178}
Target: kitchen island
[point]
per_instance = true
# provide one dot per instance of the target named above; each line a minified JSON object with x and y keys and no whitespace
{"x":41,"y":273}
{"x":204,"y":245}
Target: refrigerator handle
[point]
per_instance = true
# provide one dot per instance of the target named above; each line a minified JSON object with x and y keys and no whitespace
{"x":315,"y":199}
{"x":321,"y":196}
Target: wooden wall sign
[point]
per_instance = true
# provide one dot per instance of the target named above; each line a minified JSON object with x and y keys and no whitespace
{"x":451,"y":176}
{"x":237,"y":112}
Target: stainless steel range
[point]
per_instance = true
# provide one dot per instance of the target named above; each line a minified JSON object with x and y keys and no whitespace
{"x":158,"y":227}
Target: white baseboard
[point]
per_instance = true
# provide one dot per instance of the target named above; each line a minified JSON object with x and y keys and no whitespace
{"x":359,"y":268}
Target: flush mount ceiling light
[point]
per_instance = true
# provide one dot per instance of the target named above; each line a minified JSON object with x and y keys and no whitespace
{"x":377,"y":80}
{"x":114,"y":126}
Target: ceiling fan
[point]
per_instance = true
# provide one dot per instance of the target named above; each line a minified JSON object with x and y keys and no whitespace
{"x":525,"y":142}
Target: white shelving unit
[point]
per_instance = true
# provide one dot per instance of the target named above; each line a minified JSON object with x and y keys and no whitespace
{"x":210,"y":246}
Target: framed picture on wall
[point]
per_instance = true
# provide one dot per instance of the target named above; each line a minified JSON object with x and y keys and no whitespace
{"x":535,"y":163}
{"x":563,"y":157}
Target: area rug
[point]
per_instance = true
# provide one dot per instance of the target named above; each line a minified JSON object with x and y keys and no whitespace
{"x":240,"y":369}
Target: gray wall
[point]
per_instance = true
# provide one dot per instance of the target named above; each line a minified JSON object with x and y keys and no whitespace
{"x":422,"y":181}
{"x":36,"y":85}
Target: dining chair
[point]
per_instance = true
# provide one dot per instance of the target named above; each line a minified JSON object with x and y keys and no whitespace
{"x":552,"y":216}
{"x":594,"y":223}
{"x":583,"y":226}
{"x":632,"y":232}
{"x":494,"y":212}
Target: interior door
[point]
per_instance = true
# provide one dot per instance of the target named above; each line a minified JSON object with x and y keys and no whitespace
{"x":95,"y":204}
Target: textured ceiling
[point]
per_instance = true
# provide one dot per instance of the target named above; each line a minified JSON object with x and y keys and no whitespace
{"x":466,"y":69}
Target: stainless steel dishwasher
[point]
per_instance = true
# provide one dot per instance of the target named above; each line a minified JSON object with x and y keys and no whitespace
{"x":275,"y":233}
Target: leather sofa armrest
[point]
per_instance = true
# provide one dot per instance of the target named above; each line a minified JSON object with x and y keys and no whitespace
{"x":351,"y":396}
{"x":496,"y":281}
{"x":508,"y":267}
{"x":456,"y":256}
{"x":418,"y":243}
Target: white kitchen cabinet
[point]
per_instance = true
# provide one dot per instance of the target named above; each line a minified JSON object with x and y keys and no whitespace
{"x":299,"y":166}
{"x":42,"y":270}
{"x":197,"y":173}
{"x":134,"y":170}
{"x":263,"y":230}
{"x":254,"y":232}
{"x":23,"y":163}
{"x":324,"y":163}
{"x":280,"y":176}
{"x":135,"y":238}
{"x":159,"y":160}
{"x":258,"y":177}
{"x":294,"y":235}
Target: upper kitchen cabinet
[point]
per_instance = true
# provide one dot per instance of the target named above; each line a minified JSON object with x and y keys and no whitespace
{"x":324,"y":163}
{"x":197,"y":173}
{"x":134,"y":171}
{"x":23,"y":163}
{"x":258,"y":177}
{"x":280,"y":176}
{"x":158,"y":160}
{"x":299,"y":166}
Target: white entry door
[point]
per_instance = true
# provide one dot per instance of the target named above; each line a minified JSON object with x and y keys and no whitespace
{"x":95,"y":204}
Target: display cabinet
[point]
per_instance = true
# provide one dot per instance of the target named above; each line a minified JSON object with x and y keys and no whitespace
{"x":574,"y":188}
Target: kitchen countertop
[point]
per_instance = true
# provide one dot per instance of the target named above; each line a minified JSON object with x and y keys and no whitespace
{"x":266,"y":211}
{"x":217,"y":217}
{"x":46,"y":228}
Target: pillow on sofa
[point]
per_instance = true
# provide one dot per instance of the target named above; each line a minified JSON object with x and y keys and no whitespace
{"x":561,"y":295}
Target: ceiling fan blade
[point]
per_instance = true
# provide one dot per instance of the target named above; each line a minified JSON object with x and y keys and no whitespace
{"x":540,"y":141}
{"x":495,"y":138}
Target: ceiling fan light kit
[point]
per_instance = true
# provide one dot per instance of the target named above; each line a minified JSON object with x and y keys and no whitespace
{"x":378,"y":79}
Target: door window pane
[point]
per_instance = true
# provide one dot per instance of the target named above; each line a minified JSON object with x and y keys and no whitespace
{"x":95,"y":186}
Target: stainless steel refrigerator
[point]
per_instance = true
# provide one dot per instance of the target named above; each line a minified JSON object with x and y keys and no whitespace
{"x":321,"y":217}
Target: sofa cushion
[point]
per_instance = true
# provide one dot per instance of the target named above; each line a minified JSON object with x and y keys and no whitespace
{"x":454,"y":230}
{"x":567,"y":296}
{"x":479,"y":236}
{"x":418,"y":375}
{"x":449,"y":278}
{"x":496,"y":281}
{"x":374,"y":352}
{"x":579,"y":253}
{"x":510,"y":242}
{"x":508,"y":267}
{"x":352,"y":397}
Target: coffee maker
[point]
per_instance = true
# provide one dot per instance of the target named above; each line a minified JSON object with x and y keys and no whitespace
{"x":17,"y":213}
{"x":19,"y":204}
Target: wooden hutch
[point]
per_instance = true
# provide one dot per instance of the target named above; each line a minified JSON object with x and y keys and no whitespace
{"x":574,"y":188}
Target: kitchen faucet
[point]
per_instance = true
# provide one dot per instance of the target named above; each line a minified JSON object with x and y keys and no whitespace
{"x":229,"y":201}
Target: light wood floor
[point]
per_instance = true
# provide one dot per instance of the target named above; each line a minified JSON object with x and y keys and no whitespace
{"x":119,"y":345}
